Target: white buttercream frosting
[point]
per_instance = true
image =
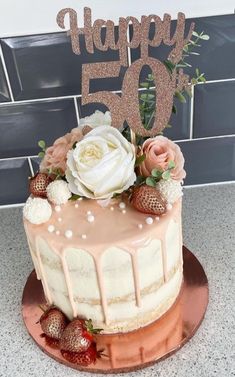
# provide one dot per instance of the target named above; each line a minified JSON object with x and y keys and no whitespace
{"x":58,"y":192}
{"x":171,"y":190}
{"x":37,"y":210}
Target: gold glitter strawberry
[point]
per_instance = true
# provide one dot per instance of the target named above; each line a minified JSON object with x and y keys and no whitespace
{"x":53,"y":322}
{"x":78,"y":336}
{"x":38,"y":185}
{"x":148,"y":200}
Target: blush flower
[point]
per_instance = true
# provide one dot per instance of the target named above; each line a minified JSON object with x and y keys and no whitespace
{"x":159,"y":151}
{"x":56,"y":156}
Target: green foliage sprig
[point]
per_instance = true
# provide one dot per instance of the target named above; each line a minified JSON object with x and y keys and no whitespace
{"x":158,"y":174}
{"x":42,"y":145}
{"x":147,"y":95}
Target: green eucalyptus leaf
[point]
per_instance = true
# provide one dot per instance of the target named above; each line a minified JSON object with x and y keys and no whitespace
{"x":169,"y":65}
{"x":180,"y":96}
{"x":150,"y":181}
{"x":171,"y":164}
{"x":144,"y":84}
{"x":166,"y":175}
{"x":41,"y":154}
{"x":140,"y":159}
{"x":156,"y":173}
{"x":204,"y":37}
{"x":139,"y":180}
{"x":202,"y":79}
{"x":195,"y":34}
{"x":42,"y":144}
{"x":74,"y":197}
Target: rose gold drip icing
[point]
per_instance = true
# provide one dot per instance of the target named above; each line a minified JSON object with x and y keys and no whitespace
{"x":43,"y":277}
{"x":142,"y":356}
{"x":103,"y":231}
{"x":135,"y":271}
{"x":100,"y":280}
{"x":33,"y":257}
{"x":164,"y":260}
{"x":181,"y":242}
{"x":68,"y":283}
{"x":111,"y":355}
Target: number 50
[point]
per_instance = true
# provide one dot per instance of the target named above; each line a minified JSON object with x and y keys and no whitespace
{"x":126,"y":107}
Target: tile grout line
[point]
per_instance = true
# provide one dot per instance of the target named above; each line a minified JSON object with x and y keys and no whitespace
{"x":76,"y":110}
{"x":17,"y":158}
{"x":44,"y":99}
{"x":30,"y":166}
{"x":6,"y":75}
{"x":216,"y":81}
{"x":191,"y":115}
{"x":209,"y":184}
{"x":39,"y":100}
{"x":205,"y":138}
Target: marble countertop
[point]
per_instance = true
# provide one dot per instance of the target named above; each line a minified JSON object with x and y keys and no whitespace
{"x":209,"y":231}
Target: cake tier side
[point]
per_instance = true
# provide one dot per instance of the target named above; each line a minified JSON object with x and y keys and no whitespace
{"x":121,"y":286}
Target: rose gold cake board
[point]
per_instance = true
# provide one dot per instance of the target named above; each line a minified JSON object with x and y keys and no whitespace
{"x":140,"y":348}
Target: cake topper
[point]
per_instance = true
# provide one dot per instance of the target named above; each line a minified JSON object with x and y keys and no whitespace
{"x":166,"y":82}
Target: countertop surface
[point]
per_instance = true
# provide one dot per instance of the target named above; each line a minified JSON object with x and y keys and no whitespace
{"x":209,"y":232}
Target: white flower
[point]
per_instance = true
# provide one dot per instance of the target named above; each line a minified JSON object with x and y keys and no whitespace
{"x":97,"y":119}
{"x":101,"y":164}
{"x":170,"y":189}
{"x":37,"y":210}
{"x":58,"y":192}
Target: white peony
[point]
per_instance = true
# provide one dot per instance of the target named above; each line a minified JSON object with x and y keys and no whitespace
{"x":37,"y":210}
{"x":97,"y":119}
{"x":171,"y":190}
{"x":58,"y":192}
{"x":101,"y":164}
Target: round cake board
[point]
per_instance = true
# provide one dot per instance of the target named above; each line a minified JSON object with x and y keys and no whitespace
{"x":140,"y":348}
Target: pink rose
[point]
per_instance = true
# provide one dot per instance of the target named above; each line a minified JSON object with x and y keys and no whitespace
{"x":56,"y":155}
{"x":159,"y":152}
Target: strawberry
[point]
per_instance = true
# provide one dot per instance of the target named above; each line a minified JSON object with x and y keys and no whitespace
{"x":148,"y":200}
{"x":83,"y":358}
{"x":53,"y":343}
{"x":38,"y":184}
{"x":53,"y":322}
{"x":78,"y":336}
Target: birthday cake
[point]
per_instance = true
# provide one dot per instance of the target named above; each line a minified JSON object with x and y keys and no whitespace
{"x":104,"y":258}
{"x":103,"y":220}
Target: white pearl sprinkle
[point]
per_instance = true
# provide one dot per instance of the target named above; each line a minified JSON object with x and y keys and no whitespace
{"x":157,"y":218}
{"x":149,"y":220}
{"x":111,"y":208}
{"x":90,"y":218}
{"x":76,"y":205}
{"x":68,"y":233}
{"x":140,"y":226}
{"x":80,"y":199}
{"x":83,"y":236}
{"x":122,"y":205}
{"x":88,"y":213}
{"x":57,"y":232}
{"x":57,"y":208}
{"x":124,"y":211}
{"x":51,"y":228}
{"x":59,"y":219}
{"x":169,"y":206}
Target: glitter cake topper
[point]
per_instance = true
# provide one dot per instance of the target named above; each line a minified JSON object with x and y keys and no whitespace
{"x":166,"y":83}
